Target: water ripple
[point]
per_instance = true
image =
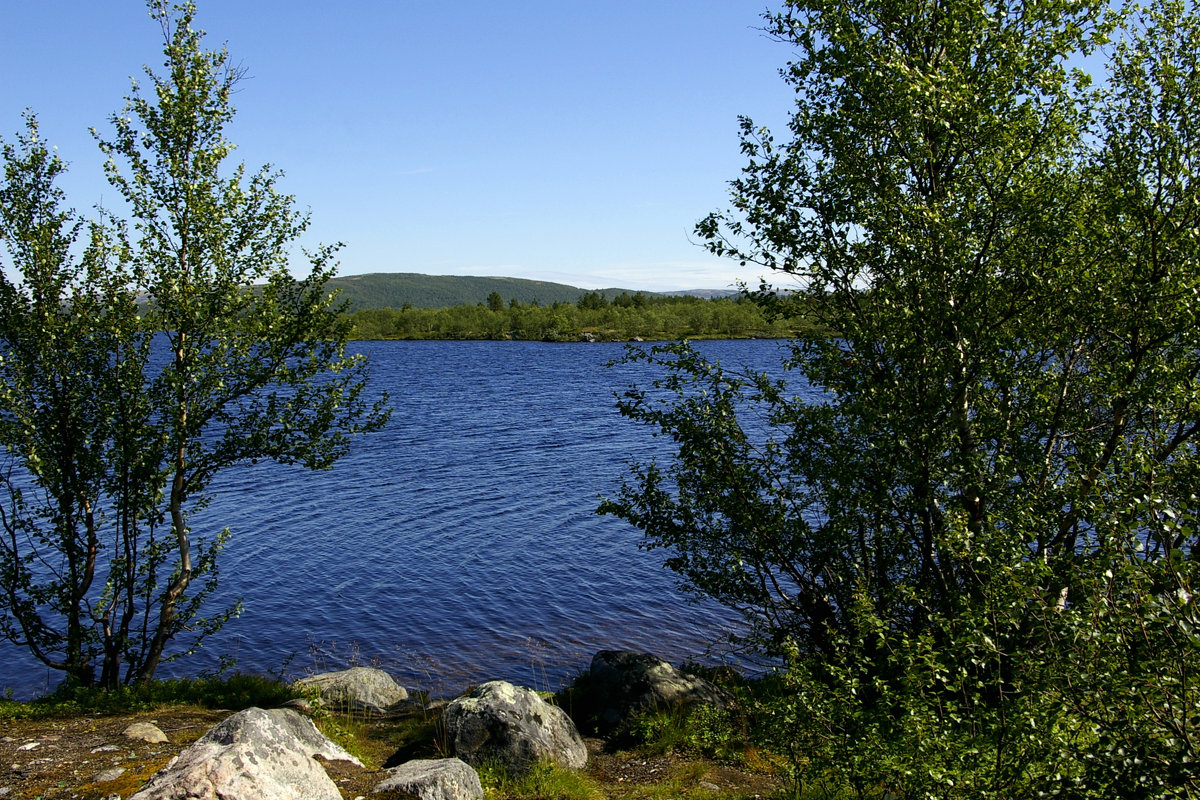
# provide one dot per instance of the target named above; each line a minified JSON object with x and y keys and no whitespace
{"x":460,"y":544}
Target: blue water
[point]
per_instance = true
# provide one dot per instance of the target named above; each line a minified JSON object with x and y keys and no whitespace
{"x":459,"y":544}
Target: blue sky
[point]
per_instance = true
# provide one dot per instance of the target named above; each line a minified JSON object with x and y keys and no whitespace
{"x":575,"y":141}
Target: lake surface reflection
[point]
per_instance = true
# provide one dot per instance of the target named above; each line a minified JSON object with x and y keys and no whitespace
{"x":460,"y":544}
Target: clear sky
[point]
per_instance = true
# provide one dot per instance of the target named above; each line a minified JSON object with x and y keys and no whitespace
{"x":575,"y":141}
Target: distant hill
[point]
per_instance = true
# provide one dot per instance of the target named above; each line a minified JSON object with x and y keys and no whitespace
{"x":395,"y":289}
{"x":708,"y":294}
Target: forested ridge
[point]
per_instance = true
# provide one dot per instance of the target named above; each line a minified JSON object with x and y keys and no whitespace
{"x":399,"y":289}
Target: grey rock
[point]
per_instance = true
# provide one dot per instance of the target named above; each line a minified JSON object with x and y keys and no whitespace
{"x":624,"y":683}
{"x":252,"y":754}
{"x":357,"y":689}
{"x":434,"y":779}
{"x":146,"y":732}
{"x":513,"y":727}
{"x":109,"y":775}
{"x":301,"y":705}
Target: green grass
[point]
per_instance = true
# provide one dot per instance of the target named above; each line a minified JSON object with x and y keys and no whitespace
{"x":704,"y":731}
{"x":233,"y":692}
{"x":545,"y":781}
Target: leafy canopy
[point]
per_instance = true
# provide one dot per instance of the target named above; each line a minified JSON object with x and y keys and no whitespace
{"x":177,"y":346}
{"x":985,"y":515}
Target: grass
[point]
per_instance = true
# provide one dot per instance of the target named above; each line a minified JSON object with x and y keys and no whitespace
{"x":704,"y":731}
{"x":384,"y":742}
{"x":545,"y":781}
{"x":233,"y":692}
{"x":686,"y":781}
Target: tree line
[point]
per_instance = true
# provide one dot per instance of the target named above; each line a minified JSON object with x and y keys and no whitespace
{"x":593,"y":316}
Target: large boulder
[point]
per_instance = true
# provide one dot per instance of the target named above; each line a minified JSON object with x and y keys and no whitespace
{"x":357,"y":689}
{"x":621,"y":684}
{"x":513,"y":727}
{"x":434,"y":779}
{"x":251,"y":755}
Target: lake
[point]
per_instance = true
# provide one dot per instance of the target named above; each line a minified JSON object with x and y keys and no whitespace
{"x":460,"y":544}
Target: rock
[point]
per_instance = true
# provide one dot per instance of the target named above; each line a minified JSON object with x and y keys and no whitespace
{"x":252,"y":754}
{"x":145,"y":732}
{"x":622,"y":683}
{"x":434,"y":779}
{"x":109,"y":775}
{"x":301,"y":705}
{"x":513,"y":727}
{"x":357,"y":689}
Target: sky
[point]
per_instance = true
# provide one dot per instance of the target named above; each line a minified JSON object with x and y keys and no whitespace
{"x":574,"y":141}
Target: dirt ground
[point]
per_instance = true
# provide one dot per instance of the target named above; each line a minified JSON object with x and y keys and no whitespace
{"x":81,"y":756}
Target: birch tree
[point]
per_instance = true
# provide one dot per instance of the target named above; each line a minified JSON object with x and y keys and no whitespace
{"x":976,"y":549}
{"x":236,"y":361}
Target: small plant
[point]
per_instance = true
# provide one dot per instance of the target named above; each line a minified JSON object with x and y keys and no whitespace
{"x":714,"y":732}
{"x":705,"y":731}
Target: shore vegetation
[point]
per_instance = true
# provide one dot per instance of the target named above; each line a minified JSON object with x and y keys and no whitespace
{"x":593,"y":317}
